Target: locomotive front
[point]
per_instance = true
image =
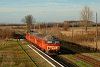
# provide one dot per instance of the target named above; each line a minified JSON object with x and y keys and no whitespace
{"x":53,"y":45}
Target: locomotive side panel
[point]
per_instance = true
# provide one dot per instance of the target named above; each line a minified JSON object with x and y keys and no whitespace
{"x":51,"y":47}
{"x":27,"y":36}
{"x":44,"y":45}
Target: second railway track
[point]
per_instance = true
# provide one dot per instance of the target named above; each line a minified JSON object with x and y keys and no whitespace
{"x":82,"y":57}
{"x":87,"y":59}
{"x":64,"y":61}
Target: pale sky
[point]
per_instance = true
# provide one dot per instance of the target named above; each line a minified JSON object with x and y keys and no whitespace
{"x":13,"y":11}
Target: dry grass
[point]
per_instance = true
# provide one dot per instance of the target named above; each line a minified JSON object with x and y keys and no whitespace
{"x":37,"y":59}
{"x":6,"y":32}
{"x":81,"y":37}
{"x":18,"y":59}
{"x":12,"y":55}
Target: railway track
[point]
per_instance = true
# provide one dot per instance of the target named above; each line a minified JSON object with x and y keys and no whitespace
{"x":79,"y":56}
{"x":51,"y":61}
{"x":87,"y":59}
{"x":64,"y":61}
{"x":82,"y":57}
{"x":56,"y":60}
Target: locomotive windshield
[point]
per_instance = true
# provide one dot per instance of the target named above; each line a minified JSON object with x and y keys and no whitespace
{"x":51,"y":39}
{"x":35,"y":33}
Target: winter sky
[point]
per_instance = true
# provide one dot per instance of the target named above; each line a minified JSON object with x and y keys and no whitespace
{"x":13,"y":11}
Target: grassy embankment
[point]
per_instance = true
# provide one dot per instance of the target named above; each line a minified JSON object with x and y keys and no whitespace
{"x":11,"y":55}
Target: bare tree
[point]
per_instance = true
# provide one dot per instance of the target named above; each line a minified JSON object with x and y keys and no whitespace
{"x":29,"y":20}
{"x":66,"y":25}
{"x":86,"y":16}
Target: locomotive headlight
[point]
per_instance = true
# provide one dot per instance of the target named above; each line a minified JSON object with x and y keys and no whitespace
{"x":57,"y":47}
{"x":49,"y":48}
{"x":57,"y":42}
{"x":49,"y":42}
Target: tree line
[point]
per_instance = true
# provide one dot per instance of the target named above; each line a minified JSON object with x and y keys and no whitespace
{"x":86,"y":16}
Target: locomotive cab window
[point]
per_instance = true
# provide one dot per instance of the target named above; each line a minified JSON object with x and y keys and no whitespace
{"x":51,"y":39}
{"x":49,"y":42}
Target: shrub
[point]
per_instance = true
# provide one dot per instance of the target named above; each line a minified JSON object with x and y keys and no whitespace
{"x":6,"y":33}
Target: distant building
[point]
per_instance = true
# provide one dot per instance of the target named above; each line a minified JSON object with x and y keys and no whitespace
{"x":76,"y":23}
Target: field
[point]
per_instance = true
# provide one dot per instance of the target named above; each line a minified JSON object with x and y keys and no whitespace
{"x":78,"y":41}
{"x":76,"y":35}
{"x":79,"y":36}
{"x":75,"y":39}
{"x":12,"y":55}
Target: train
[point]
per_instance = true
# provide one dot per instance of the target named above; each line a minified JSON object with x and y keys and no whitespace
{"x":47,"y":43}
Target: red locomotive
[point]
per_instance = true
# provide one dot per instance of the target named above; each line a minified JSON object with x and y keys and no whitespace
{"x":47,"y":43}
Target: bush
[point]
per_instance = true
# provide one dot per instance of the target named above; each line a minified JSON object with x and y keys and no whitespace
{"x":6,"y":33}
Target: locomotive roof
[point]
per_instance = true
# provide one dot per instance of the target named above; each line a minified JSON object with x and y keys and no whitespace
{"x":45,"y":37}
{"x":35,"y":33}
{"x":50,"y":37}
{"x":38,"y":34}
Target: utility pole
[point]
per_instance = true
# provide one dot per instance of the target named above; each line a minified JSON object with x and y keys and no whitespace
{"x":46,"y":24}
{"x":72,"y":31}
{"x":34,"y":26}
{"x":96,"y":33}
{"x":39,"y":27}
{"x":57,"y":29}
